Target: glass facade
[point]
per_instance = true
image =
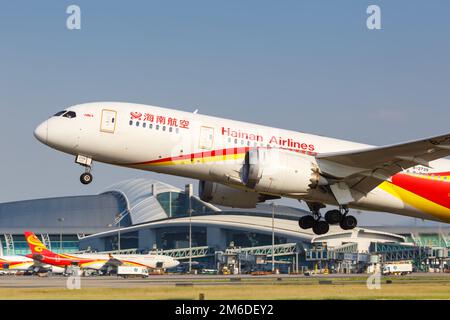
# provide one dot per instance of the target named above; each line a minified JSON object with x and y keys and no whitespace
{"x":251,"y":239}
{"x":176,"y":204}
{"x":128,"y":240}
{"x":70,"y":243}
{"x":178,"y":237}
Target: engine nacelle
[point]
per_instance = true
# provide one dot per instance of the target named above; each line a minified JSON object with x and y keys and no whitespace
{"x":280,"y":172}
{"x":220,"y":194}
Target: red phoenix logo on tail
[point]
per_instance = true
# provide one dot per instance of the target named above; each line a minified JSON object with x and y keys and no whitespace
{"x":36,"y":246}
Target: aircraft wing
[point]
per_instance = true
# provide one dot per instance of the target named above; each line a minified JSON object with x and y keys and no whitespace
{"x":364,"y":169}
{"x":114,"y":262}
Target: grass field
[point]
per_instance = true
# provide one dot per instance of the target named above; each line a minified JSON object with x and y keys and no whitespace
{"x":243,"y":291}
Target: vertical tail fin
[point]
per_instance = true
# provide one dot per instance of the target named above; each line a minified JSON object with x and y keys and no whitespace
{"x":36,"y":246}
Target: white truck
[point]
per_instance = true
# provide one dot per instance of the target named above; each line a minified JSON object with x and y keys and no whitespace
{"x":132,"y":272}
{"x":397,"y":268}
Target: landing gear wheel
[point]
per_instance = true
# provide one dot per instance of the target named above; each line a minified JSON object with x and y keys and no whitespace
{"x":333,"y":216}
{"x":86,"y":178}
{"x":320,"y":227}
{"x":348,"y":222}
{"x":306,"y":222}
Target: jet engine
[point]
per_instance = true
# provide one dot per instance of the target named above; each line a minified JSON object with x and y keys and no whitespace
{"x":280,"y":172}
{"x":220,"y":194}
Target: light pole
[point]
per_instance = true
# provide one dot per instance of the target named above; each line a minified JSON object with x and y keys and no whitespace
{"x":119,"y":217}
{"x":188,"y":191}
{"x":273,"y":237}
{"x":61,"y":220}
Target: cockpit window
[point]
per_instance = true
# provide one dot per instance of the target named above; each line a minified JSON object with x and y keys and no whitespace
{"x":59,"y":113}
{"x":70,"y":114}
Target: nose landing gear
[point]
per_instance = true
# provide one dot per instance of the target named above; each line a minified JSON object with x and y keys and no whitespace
{"x":86,"y":178}
{"x":86,"y":162}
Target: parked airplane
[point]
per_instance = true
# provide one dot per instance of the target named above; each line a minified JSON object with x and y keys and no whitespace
{"x":23,"y":263}
{"x":20,"y":263}
{"x":39,"y":252}
{"x":240,"y":164}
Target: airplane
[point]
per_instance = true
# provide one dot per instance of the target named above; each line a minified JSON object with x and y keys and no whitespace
{"x":39,"y":252}
{"x":19,"y":263}
{"x":24,"y":263}
{"x":240,"y":164}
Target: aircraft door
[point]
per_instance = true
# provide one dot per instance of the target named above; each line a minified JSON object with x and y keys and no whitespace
{"x":108,"y":121}
{"x":206,"y":138}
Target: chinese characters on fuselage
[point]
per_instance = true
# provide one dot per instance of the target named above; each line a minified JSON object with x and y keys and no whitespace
{"x":160,"y":119}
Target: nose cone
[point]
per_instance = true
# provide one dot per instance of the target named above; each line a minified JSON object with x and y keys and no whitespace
{"x":173,"y":263}
{"x":41,"y":132}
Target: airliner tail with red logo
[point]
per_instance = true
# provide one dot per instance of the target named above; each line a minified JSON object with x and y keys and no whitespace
{"x":28,"y":262}
{"x":39,"y":252}
{"x":36,"y":246}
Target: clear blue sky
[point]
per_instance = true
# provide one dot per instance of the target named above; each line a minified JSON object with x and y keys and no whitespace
{"x":305,"y":65}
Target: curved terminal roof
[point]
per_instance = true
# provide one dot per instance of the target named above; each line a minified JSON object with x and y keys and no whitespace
{"x":140,"y":196}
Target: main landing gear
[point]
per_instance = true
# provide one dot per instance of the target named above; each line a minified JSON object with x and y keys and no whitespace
{"x":319,"y":227}
{"x":86,"y":162}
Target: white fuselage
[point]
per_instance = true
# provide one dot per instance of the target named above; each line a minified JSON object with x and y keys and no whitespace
{"x":22,"y":263}
{"x":151,"y":261}
{"x":100,"y":261}
{"x":196,"y":146}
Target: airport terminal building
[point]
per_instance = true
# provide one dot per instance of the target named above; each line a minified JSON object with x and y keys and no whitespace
{"x":142,"y":215}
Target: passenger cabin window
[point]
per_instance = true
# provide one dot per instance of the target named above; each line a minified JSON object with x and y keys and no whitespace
{"x":70,"y":114}
{"x":59,"y":113}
